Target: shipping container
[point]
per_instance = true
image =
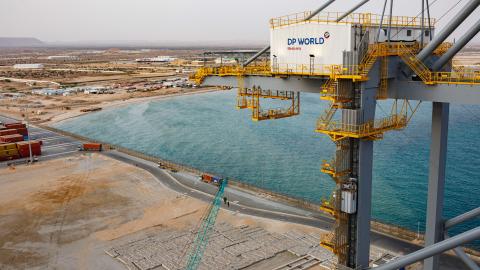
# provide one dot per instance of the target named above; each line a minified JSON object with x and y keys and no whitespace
{"x":15,"y":125}
{"x":24,"y":149}
{"x":25,"y":152}
{"x":92,"y":147}
{"x":207,"y":178}
{"x":11,"y":138}
{"x":6,"y":158}
{"x":10,"y":153}
{"x":22,"y":131}
{"x":10,"y":131}
{"x":6,"y":146}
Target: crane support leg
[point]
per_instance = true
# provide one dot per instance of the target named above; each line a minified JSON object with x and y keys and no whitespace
{"x":364,"y":202}
{"x":365,"y":167}
{"x":436,"y":180}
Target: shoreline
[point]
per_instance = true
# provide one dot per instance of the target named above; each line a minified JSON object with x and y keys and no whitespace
{"x":119,"y":103}
{"x":377,"y":226}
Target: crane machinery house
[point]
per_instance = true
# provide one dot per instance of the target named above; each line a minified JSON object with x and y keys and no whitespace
{"x":312,"y":46}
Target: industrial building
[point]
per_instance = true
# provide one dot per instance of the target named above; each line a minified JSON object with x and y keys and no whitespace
{"x":63,"y":57}
{"x":72,"y":90}
{"x":158,"y":59}
{"x":353,"y":60}
{"x":28,"y":66}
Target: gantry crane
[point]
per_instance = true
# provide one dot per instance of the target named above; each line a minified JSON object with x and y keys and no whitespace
{"x":377,"y":66}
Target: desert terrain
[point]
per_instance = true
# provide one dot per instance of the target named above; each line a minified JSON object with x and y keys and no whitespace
{"x":66,"y":213}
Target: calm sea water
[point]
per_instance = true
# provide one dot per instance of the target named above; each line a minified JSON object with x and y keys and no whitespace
{"x":206,"y":132}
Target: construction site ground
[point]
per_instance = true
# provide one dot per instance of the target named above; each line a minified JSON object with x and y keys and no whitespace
{"x":89,"y":211}
{"x":66,"y":213}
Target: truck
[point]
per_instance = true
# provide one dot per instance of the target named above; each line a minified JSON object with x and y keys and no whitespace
{"x":211,"y":179}
{"x":92,"y":147}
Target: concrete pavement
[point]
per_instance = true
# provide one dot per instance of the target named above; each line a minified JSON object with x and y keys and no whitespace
{"x":54,"y":144}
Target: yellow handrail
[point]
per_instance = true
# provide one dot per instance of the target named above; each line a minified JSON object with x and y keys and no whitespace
{"x":368,"y":19}
{"x":367,"y":129}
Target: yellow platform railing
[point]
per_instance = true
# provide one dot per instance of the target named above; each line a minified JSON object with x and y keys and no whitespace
{"x":366,"y":19}
{"x":372,"y":129}
{"x":407,"y":51}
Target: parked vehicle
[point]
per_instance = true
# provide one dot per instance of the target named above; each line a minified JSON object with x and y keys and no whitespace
{"x":92,"y":147}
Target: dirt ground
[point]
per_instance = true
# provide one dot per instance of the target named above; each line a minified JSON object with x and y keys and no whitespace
{"x":62,"y":214}
{"x":52,"y":109}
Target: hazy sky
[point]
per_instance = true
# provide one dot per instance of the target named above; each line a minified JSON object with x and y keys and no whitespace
{"x":187,"y":21}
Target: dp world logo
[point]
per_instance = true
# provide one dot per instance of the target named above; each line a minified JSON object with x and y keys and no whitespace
{"x":326,"y":34}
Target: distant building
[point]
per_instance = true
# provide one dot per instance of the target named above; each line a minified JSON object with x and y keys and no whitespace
{"x":225,"y":61}
{"x":159,"y":59}
{"x":199,"y":63}
{"x":28,"y":66}
{"x":48,"y":92}
{"x":63,"y":57}
{"x":95,"y":90}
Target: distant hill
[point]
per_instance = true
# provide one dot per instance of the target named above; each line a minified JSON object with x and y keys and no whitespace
{"x":20,"y":42}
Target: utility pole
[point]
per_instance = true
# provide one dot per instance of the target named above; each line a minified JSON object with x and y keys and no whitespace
{"x":28,"y":133}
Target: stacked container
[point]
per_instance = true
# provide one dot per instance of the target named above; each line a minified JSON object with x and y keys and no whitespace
{"x":24,"y":149}
{"x":12,"y":145}
{"x":8,"y":151}
{"x":4,"y":132}
{"x":19,"y":127}
{"x":15,"y":125}
{"x":11,"y":138}
{"x":22,"y":131}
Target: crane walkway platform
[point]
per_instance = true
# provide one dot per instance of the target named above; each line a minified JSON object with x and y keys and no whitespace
{"x":406,"y":51}
{"x":372,"y":129}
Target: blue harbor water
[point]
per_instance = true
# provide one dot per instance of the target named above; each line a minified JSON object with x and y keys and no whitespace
{"x":206,"y":132}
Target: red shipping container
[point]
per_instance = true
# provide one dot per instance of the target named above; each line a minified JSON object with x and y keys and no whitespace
{"x":15,"y":125}
{"x":24,"y":149}
{"x":9,"y":158}
{"x":206,"y":178}
{"x":11,"y":138}
{"x":22,"y":131}
{"x":32,"y":142}
{"x":25,"y":152}
{"x":8,"y":132}
{"x":92,"y":147}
